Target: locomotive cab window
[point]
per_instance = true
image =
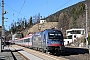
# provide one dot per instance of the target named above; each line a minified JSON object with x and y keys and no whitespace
{"x":54,"y":35}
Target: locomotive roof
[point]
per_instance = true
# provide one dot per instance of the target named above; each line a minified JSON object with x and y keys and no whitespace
{"x":52,"y":29}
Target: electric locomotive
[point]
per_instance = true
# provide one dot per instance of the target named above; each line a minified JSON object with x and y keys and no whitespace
{"x":49,"y":40}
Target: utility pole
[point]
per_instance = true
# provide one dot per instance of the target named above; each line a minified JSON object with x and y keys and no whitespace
{"x":3,"y":32}
{"x":86,"y":27}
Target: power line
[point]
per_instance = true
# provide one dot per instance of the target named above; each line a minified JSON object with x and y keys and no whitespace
{"x":15,"y":10}
{"x":45,"y":5}
{"x":63,"y":5}
{"x":0,"y":4}
{"x":21,"y":8}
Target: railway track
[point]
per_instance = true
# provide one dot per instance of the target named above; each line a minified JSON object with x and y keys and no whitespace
{"x":67,"y":55}
{"x":39,"y":54}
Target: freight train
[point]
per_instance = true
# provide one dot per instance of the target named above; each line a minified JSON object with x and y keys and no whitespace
{"x":49,"y":40}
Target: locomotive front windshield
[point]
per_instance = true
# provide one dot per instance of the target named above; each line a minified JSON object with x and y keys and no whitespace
{"x":54,"y":35}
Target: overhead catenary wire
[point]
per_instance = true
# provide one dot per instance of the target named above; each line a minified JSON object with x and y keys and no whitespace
{"x":59,"y":7}
{"x":62,"y":5}
{"x":15,"y":10}
{"x":45,"y":5}
{"x":21,"y":7}
{"x":41,"y":9}
{"x":0,"y":4}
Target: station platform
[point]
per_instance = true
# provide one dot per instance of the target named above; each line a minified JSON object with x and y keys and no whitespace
{"x":27,"y":55}
{"x":9,"y":53}
{"x":14,"y":53}
{"x":5,"y":54}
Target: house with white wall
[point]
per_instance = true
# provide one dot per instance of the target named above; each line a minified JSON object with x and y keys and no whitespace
{"x":42,"y":21}
{"x":72,"y":34}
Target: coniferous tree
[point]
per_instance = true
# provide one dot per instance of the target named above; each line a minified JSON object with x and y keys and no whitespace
{"x":25,"y":24}
{"x":30,"y":20}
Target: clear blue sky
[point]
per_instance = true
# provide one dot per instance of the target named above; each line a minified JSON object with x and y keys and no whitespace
{"x":28,"y":8}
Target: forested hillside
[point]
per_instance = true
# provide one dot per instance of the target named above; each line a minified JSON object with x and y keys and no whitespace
{"x":71,"y":17}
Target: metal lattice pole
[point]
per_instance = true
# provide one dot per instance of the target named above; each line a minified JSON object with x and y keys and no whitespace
{"x":3,"y":32}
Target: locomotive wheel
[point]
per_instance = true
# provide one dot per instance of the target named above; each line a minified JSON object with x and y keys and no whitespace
{"x":52,"y":52}
{"x":44,"y":51}
{"x":40,"y":50}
